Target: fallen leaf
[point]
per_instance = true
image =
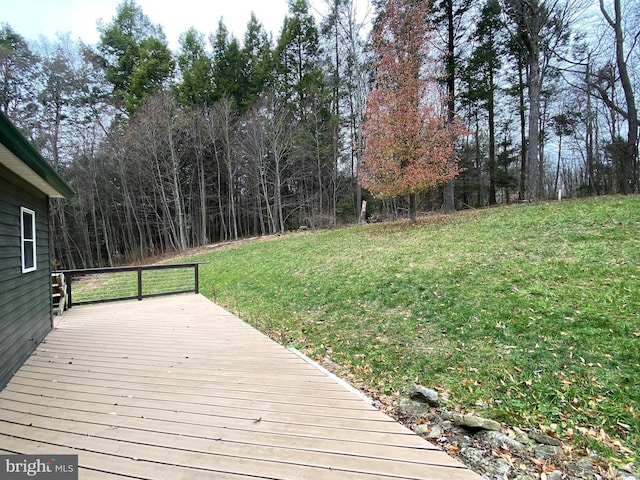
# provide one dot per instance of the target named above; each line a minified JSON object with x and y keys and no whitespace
{"x":453,"y":449}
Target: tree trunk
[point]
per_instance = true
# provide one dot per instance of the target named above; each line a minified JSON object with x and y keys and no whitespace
{"x":278,"y":197}
{"x":593,"y":186}
{"x":449,"y":205}
{"x":202,"y":186}
{"x":492,"y":142}
{"x":412,"y":207}
{"x":535,"y":85}
{"x":522,"y":195}
{"x":177,"y":194}
{"x":223,"y":228}
{"x":226,"y":125}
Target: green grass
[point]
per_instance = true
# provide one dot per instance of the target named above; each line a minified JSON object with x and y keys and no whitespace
{"x":528,"y":314}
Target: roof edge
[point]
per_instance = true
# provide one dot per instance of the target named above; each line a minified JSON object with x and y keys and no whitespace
{"x":17,"y":144}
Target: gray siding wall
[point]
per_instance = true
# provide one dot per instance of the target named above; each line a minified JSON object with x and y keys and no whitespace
{"x":25,"y":298}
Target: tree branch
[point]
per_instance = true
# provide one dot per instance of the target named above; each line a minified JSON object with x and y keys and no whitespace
{"x":606,"y":15}
{"x":608,"y":102}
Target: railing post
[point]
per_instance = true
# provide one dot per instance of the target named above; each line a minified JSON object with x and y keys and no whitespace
{"x":139,"y":283}
{"x":67,"y":281}
{"x":197,"y":282}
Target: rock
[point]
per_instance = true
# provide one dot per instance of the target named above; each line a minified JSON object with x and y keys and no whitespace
{"x":545,"y":439}
{"x":412,"y":408}
{"x":432,"y":432}
{"x":472,"y":421}
{"x":473,"y":456}
{"x":520,"y":436}
{"x":555,"y":475}
{"x":461,"y":441}
{"x":625,"y":475}
{"x":423,"y":394}
{"x":581,"y":469}
{"x":491,"y":466}
{"x":446,"y":425}
{"x":435,"y":432}
{"x":548,"y":452}
{"x":497,"y":440}
{"x":499,"y":467}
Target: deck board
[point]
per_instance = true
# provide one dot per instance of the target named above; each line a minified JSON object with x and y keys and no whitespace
{"x":177,"y":387}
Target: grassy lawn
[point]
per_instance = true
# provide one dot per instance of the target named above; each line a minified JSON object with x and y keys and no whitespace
{"x":528,"y":314}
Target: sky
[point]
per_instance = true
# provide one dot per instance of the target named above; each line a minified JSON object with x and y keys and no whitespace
{"x":33,"y":18}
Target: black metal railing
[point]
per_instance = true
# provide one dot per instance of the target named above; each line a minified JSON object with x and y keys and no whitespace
{"x":97,"y":285}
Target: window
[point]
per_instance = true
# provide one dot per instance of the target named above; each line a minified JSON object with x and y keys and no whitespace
{"x":28,"y":239}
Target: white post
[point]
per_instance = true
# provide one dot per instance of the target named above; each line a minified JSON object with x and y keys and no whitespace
{"x":363,"y":212}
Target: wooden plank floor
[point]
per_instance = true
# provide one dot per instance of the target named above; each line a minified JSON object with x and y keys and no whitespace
{"x":178,"y":388}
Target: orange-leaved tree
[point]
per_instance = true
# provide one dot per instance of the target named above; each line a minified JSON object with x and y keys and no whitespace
{"x":408,"y":141}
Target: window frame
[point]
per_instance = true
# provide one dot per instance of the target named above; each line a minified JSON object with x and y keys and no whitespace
{"x":27,"y":244}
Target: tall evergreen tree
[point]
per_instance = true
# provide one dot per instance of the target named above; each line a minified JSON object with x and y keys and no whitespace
{"x":297,"y":56}
{"x":542,"y":27}
{"x":448,"y":15}
{"x":530,"y":18}
{"x":18,"y":72}
{"x":229,"y":68}
{"x":301,"y":80}
{"x":257,"y":50}
{"x":136,"y":56}
{"x":195,"y":85}
{"x":481,"y":76}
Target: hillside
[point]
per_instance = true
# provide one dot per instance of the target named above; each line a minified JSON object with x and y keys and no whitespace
{"x":528,"y":314}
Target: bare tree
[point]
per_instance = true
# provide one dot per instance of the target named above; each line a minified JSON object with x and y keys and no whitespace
{"x":154,"y":137}
{"x":267,"y":146}
{"x":541,"y":27}
{"x":225,"y":119}
{"x":279,"y":142}
{"x":629,"y":158}
{"x":344,"y":28}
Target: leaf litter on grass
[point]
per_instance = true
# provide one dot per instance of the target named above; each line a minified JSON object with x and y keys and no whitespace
{"x":529,"y":314}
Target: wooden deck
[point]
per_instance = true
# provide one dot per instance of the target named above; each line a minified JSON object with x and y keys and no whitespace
{"x":178,"y":388}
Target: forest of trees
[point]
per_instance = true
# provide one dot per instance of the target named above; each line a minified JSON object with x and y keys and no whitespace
{"x":229,"y":138}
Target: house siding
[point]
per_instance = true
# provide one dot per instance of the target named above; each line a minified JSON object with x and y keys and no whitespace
{"x":25,"y":298}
